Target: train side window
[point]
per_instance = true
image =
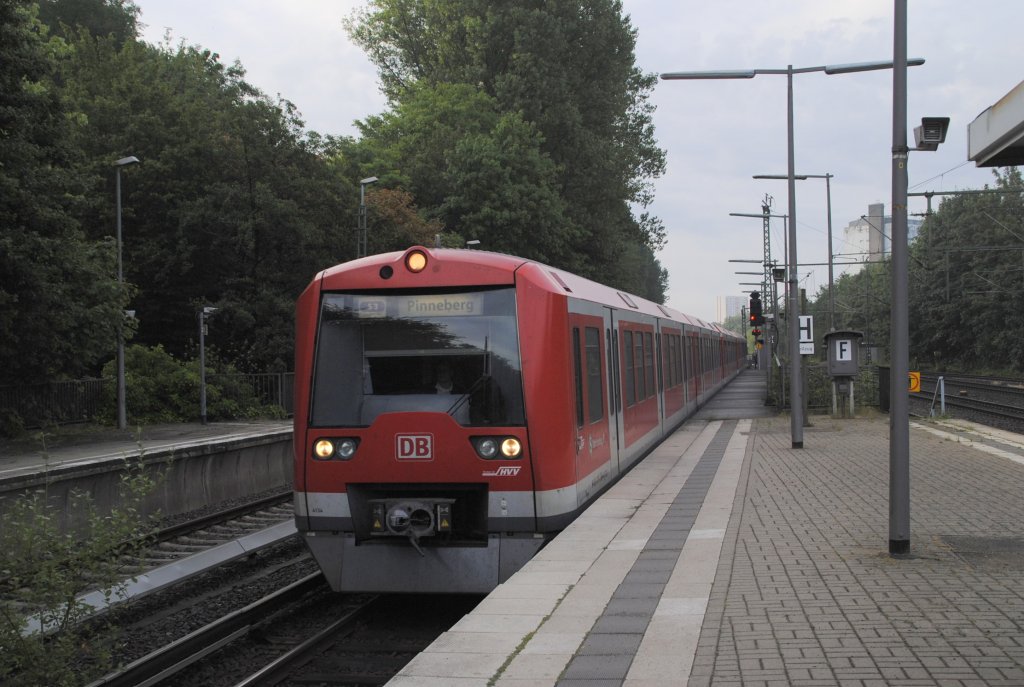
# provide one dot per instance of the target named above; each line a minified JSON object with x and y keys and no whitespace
{"x":638,"y":366}
{"x":627,"y":364}
{"x":673,"y":367}
{"x":613,"y":369}
{"x":682,"y":359}
{"x":666,"y":358}
{"x":683,"y":372}
{"x":595,"y":396}
{"x":577,"y":375}
{"x":659,"y":349}
{"x":649,"y":363}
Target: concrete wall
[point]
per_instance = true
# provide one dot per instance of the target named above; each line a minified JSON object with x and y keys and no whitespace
{"x":187,"y":479}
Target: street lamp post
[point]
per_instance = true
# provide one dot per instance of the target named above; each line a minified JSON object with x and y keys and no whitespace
{"x":796,"y":378}
{"x":899,"y":338}
{"x":362,"y":242}
{"x":122,"y":411}
{"x":828,"y":208}
{"x":203,"y":313}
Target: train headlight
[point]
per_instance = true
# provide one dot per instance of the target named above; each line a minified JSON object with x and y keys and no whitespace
{"x":416,"y":261}
{"x":346,"y":448}
{"x":487,"y":448}
{"x":497,"y":448}
{"x":511,"y":448}
{"x":335,"y":449}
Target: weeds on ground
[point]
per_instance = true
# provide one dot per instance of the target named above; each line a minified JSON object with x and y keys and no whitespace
{"x":46,"y":563}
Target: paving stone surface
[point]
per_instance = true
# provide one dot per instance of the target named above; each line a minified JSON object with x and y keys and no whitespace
{"x":807,"y":594}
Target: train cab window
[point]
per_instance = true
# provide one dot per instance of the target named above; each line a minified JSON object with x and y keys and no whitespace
{"x":595,"y":396}
{"x":450,"y":352}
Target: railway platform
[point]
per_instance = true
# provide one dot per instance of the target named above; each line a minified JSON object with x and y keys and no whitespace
{"x":195,"y":465}
{"x":39,"y":451}
{"x":729,"y":558}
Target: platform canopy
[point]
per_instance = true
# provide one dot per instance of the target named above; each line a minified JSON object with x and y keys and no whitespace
{"x":996,"y":137}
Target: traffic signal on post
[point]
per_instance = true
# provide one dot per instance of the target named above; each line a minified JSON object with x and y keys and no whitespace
{"x":756,"y":315}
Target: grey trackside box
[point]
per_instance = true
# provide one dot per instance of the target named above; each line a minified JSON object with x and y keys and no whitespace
{"x":843,"y":356}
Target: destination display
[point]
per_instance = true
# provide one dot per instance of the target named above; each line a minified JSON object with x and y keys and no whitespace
{"x":433,"y":305}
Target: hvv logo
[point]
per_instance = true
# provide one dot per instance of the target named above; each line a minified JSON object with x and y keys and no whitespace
{"x":414,"y":446}
{"x":504,"y":471}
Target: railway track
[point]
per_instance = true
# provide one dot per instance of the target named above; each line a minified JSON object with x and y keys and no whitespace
{"x":170,"y":660}
{"x":363,"y":648}
{"x":261,"y":618}
{"x":301,"y":634}
{"x":995,"y":401}
{"x":199,"y":544}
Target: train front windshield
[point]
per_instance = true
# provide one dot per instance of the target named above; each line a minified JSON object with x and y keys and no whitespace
{"x":452,"y":352}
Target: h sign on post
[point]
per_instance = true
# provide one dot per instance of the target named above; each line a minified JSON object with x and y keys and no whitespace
{"x":806,"y":335}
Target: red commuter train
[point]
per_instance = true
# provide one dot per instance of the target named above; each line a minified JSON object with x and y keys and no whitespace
{"x":455,"y":409}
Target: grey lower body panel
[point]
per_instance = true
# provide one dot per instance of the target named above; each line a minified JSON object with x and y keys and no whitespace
{"x":399,"y":567}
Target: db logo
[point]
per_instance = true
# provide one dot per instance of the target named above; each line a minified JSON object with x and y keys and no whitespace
{"x":414,"y":446}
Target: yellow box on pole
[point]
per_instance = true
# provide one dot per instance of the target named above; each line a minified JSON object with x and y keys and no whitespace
{"x":915,"y":382}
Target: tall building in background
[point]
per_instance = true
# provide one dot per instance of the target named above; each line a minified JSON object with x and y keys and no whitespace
{"x":728,"y":306}
{"x":868,"y":239}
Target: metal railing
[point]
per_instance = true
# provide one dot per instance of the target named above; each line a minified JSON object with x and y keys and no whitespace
{"x":271,"y":388}
{"x":52,"y":403}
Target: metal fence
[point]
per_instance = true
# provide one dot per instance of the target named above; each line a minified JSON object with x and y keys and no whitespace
{"x":52,"y":403}
{"x":80,"y":400}
{"x":271,"y":388}
{"x":819,"y":384}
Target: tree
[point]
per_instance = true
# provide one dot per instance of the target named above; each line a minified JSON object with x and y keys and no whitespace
{"x":967,"y":271}
{"x":232,"y":205}
{"x":397,"y":224}
{"x":566,"y":70}
{"x":479,"y":173}
{"x":59,"y":302}
{"x":116,"y":18}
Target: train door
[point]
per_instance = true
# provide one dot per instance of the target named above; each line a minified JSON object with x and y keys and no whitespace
{"x":594,"y":467}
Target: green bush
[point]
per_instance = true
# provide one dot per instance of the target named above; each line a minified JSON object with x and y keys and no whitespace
{"x":44,"y":567}
{"x":162,"y":389}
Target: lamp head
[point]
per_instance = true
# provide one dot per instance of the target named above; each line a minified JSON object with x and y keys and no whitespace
{"x":931,"y":133}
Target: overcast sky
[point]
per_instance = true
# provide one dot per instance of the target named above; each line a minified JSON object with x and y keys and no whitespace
{"x":717,"y":133}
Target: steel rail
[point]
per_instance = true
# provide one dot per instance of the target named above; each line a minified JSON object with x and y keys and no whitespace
{"x":181,"y":653}
{"x":172,"y":531}
{"x":278,"y":669}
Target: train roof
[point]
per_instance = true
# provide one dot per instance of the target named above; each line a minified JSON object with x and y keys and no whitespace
{"x":486,"y":267}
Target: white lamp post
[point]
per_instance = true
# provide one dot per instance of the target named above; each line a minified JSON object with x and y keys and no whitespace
{"x":204,"y":312}
{"x":793,"y":309}
{"x":363,"y":244}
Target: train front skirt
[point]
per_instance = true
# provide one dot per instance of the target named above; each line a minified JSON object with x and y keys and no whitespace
{"x":440,"y":570}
